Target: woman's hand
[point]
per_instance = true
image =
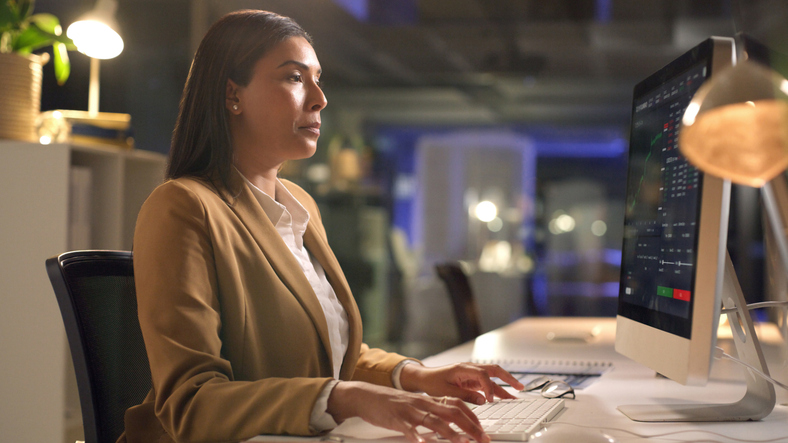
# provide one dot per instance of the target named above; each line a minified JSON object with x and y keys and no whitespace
{"x":404,"y":411}
{"x":463,"y":380}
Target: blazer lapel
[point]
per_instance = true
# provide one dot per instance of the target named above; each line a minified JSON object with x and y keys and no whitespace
{"x":251,"y":214}
{"x":318,"y":247}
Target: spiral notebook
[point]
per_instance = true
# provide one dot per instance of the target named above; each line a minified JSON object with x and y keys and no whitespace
{"x":578,"y":373}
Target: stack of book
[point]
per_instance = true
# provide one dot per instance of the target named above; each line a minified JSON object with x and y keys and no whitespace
{"x":83,"y":128}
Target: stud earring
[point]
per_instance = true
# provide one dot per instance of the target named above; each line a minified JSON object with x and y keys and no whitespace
{"x":235,"y":107}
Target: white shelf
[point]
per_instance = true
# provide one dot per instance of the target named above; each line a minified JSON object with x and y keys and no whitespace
{"x":34,"y":180}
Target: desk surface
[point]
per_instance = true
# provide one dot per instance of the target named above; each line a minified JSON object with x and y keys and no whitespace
{"x":630,"y":382}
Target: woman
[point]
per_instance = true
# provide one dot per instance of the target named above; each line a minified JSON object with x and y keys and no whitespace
{"x":249,"y":324}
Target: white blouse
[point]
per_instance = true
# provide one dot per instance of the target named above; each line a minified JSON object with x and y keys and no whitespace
{"x":290,"y":219}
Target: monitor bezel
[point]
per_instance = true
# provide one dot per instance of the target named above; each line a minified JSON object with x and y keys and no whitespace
{"x":688,"y":360}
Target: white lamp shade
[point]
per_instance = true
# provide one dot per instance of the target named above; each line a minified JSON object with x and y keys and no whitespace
{"x":95,"y":33}
{"x":95,"y":39}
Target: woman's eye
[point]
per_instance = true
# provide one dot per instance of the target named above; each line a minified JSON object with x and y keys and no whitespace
{"x":296,"y":77}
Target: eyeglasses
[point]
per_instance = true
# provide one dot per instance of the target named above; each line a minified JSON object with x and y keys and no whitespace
{"x":550,"y":388}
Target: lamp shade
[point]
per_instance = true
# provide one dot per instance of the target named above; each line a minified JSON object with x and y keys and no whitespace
{"x":95,"y":33}
{"x":736,"y":126}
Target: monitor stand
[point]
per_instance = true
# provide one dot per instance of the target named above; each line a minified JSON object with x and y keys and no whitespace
{"x":760,"y":398}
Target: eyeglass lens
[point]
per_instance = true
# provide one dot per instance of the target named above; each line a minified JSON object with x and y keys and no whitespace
{"x":536,"y":383}
{"x":550,"y":388}
{"x":557,"y":389}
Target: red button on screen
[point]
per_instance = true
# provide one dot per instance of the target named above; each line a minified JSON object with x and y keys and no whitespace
{"x":680,"y":294}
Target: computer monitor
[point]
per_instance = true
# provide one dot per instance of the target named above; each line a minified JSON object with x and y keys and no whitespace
{"x":675,"y":272}
{"x":675,"y":228}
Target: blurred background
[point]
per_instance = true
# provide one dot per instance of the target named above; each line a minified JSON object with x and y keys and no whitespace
{"x":493,"y":132}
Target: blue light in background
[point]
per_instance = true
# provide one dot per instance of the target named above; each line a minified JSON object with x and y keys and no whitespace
{"x":382,"y":12}
{"x":357,"y":8}
{"x":576,"y":142}
{"x":603,"y":11}
{"x":581,"y":149}
{"x":613,"y":256}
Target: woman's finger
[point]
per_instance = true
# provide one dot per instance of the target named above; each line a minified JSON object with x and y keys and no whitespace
{"x":412,"y":435}
{"x":453,"y":410}
{"x":460,"y":404}
{"x":476,"y":378}
{"x":437,"y":414}
{"x":500,"y":392}
{"x":441,"y":426}
{"x":497,"y":371}
{"x":487,"y":386}
{"x":467,"y":395}
{"x":471,"y":394}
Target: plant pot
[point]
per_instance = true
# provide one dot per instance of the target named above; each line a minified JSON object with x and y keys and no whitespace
{"x":20,"y":101}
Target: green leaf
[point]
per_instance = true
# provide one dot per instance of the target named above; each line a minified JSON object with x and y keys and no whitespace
{"x":47,"y":23}
{"x":8,"y":16}
{"x":30,"y":39}
{"x":33,"y":38}
{"x":62,"y":63}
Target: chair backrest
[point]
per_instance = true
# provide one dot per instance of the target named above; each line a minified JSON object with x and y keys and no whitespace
{"x":465,"y":310}
{"x":96,"y":294}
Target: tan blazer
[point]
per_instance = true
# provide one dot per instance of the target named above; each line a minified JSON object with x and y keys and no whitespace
{"x":237,"y":340}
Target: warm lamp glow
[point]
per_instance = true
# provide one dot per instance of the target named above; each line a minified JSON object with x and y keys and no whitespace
{"x":744,"y":142}
{"x":736,"y":126}
{"x":95,"y":35}
{"x":95,"y":39}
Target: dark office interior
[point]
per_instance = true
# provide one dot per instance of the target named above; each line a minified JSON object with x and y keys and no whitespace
{"x":435,"y":106}
{"x":489,"y":133}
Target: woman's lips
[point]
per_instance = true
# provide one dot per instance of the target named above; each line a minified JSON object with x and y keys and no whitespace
{"x":314,"y":128}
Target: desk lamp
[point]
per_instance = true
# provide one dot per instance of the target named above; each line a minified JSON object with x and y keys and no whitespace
{"x":94,"y":35}
{"x":736,"y":128}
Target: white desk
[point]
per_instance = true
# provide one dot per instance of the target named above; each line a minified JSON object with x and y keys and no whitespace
{"x":627,"y":383}
{"x":632,"y":383}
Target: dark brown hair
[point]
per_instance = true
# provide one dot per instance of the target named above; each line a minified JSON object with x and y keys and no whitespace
{"x":201,"y":143}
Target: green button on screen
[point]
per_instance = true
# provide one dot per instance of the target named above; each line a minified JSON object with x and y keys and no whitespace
{"x":665,"y":292}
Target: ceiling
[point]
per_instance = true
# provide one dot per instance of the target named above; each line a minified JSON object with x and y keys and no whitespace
{"x":500,"y":61}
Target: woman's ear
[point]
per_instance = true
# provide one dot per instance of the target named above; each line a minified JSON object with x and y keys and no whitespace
{"x":232,"y":102}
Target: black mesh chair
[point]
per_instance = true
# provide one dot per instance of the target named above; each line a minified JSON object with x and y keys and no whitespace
{"x":95,"y":291}
{"x":466,"y":311}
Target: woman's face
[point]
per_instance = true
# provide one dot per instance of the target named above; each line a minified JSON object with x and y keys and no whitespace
{"x":276,"y":117}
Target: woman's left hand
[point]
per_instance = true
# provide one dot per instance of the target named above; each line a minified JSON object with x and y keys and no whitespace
{"x":462,"y":380}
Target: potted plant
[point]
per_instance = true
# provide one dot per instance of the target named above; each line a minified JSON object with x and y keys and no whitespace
{"x":21,"y":33}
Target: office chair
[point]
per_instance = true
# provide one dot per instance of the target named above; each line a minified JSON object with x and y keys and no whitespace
{"x":465,"y":309}
{"x":96,"y":294}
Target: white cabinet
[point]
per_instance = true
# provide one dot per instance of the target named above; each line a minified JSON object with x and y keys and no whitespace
{"x":34,"y":225}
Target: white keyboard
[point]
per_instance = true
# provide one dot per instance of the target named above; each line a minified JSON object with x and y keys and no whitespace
{"x":515,"y":420}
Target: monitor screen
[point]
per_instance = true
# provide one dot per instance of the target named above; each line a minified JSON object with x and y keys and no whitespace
{"x":673,"y":228}
{"x":663,"y":191}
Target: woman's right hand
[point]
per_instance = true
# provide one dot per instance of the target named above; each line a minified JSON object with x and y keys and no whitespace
{"x":404,"y":411}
